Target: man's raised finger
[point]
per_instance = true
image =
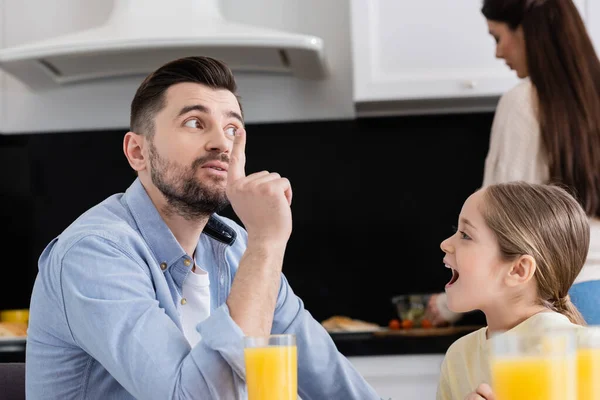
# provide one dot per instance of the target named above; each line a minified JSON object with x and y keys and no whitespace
{"x":237,"y":159}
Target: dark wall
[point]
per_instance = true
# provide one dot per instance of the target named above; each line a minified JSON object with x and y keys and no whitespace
{"x":373,"y":198}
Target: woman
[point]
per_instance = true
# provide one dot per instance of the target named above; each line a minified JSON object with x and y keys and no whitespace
{"x":547,"y":128}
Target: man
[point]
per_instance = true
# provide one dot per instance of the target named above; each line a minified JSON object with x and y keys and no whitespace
{"x":149,"y":294}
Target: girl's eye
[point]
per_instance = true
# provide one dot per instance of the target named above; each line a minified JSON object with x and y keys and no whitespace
{"x":193,"y":123}
{"x":230,"y":130}
{"x":462,"y":234}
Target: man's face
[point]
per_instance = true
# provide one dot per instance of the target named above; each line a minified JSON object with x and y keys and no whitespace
{"x":189,"y":153}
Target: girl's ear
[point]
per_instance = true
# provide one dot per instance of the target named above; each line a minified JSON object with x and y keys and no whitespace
{"x":521,"y":271}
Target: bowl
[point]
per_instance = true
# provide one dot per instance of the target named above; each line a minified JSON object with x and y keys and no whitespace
{"x":412,"y":307}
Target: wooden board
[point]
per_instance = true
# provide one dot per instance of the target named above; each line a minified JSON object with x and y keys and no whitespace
{"x":419,"y":332}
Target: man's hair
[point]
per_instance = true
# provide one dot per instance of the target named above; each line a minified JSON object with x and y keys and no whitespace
{"x":149,"y":98}
{"x":548,"y":224}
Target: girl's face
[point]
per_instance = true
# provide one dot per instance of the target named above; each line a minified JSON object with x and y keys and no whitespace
{"x":510,"y":46}
{"x":473,"y":255}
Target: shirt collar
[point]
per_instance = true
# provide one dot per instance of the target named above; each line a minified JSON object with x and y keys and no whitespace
{"x":157,"y":234}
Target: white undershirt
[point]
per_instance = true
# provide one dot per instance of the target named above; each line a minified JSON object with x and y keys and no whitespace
{"x":197,"y":303}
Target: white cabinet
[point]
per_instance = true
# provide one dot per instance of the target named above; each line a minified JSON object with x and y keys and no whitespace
{"x":406,"y":377}
{"x":425,"y":50}
{"x":593,"y":21}
{"x":2,"y":80}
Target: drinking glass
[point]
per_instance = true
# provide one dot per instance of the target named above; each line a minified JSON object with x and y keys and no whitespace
{"x":534,"y":366}
{"x":588,"y":363}
{"x":271,"y":367}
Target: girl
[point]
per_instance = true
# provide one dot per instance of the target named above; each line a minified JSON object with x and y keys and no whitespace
{"x":515,"y":255}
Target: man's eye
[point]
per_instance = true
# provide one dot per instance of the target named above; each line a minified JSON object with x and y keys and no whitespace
{"x":193,"y":123}
{"x":230,"y":130}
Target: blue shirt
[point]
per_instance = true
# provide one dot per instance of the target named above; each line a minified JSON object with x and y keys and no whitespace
{"x":105,"y":315}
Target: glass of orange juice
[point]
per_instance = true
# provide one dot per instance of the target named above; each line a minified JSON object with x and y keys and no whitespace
{"x":588,"y":363}
{"x":534,"y":366}
{"x":271,"y":367}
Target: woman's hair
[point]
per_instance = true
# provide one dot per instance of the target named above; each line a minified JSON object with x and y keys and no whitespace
{"x":565,"y":72}
{"x":548,"y":224}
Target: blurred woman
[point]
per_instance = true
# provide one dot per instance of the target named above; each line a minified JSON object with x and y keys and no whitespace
{"x":547,"y":128}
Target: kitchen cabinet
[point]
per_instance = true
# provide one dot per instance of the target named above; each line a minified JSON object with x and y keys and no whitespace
{"x":593,"y":22}
{"x":407,"y":377}
{"x":428,"y":50}
{"x":2,"y":80}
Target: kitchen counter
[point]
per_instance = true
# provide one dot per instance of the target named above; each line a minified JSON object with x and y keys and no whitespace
{"x":12,"y":351}
{"x":350,"y":344}
{"x":432,"y":341}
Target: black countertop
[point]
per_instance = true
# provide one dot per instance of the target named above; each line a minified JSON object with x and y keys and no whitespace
{"x":12,"y":351}
{"x":349,"y":344}
{"x":373,"y":344}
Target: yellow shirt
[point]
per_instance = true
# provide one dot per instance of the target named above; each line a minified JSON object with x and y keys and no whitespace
{"x":466,"y":364}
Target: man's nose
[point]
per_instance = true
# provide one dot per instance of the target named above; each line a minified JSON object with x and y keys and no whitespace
{"x":218,"y":141}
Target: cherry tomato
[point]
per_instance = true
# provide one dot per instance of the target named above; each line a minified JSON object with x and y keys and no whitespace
{"x":407,"y":324}
{"x":394,"y":324}
{"x":426,"y":323}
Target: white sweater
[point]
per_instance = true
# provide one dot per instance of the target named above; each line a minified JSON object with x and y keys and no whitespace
{"x":516,"y":153}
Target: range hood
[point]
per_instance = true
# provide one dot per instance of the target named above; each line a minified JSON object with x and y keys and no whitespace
{"x":141,"y":35}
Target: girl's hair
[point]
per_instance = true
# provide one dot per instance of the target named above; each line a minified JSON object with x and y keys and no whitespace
{"x":548,"y":224}
{"x":565,"y":72}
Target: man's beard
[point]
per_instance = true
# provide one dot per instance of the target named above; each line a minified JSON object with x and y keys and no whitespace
{"x":185,"y":194}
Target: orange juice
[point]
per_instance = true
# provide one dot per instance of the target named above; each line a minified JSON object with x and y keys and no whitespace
{"x":588,"y":374}
{"x":272,"y":372}
{"x":533,"y":378}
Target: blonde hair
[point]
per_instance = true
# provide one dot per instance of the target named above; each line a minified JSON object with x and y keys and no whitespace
{"x":548,"y":224}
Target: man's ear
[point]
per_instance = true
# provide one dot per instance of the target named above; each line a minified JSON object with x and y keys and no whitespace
{"x":133,"y":147}
{"x":521,"y":271}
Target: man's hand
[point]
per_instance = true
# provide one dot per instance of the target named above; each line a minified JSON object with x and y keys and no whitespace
{"x":483,"y":392}
{"x":261,"y":200}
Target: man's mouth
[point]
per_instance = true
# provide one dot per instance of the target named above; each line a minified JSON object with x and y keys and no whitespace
{"x":454,"y":278}
{"x":215,"y":165}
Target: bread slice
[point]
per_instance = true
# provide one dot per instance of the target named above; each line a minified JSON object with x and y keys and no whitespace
{"x":334,"y":323}
{"x":357,"y":325}
{"x":13,"y":329}
{"x":347,"y":324}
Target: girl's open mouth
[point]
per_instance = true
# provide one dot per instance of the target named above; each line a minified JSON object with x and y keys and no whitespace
{"x":453,"y":279}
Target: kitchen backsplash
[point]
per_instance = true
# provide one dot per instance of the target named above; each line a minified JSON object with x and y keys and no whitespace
{"x":373,"y":198}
